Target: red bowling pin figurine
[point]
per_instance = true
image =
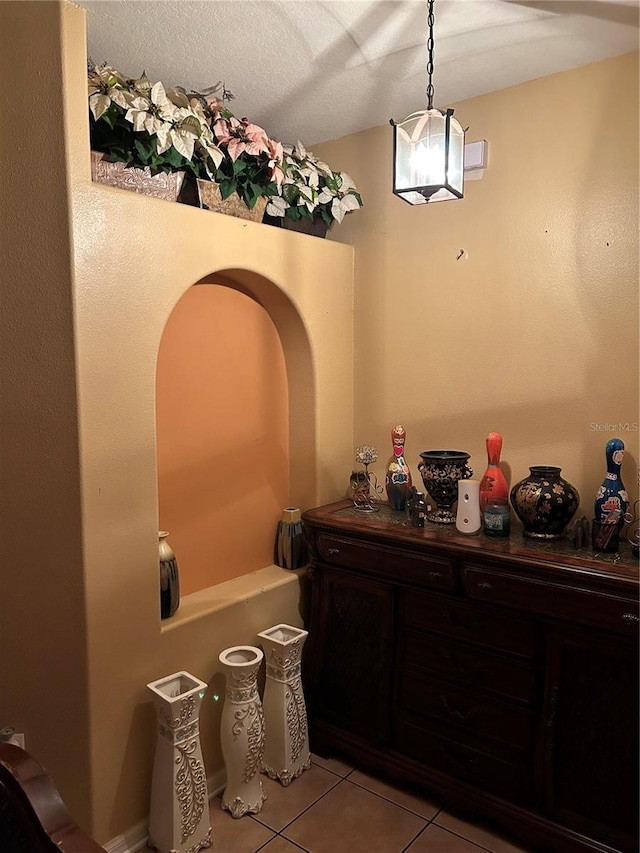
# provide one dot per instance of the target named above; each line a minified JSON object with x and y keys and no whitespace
{"x":493,"y":486}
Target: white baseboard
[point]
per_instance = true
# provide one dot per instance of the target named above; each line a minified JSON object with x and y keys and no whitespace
{"x":135,"y":839}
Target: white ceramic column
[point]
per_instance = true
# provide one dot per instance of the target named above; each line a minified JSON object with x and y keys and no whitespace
{"x":242,"y":731}
{"x":179,"y":818}
{"x":286,"y":752}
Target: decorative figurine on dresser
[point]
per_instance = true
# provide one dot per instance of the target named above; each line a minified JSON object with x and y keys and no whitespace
{"x":493,"y":486}
{"x":366,"y":495}
{"x":415,"y":509}
{"x":398,"y":477}
{"x":612,"y":501}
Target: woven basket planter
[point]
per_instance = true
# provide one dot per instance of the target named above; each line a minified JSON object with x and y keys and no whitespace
{"x":210,"y":198}
{"x":163,"y":185}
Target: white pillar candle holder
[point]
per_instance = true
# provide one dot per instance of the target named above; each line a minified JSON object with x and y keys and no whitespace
{"x":286,"y":753}
{"x":242,"y":731}
{"x":179,"y":816}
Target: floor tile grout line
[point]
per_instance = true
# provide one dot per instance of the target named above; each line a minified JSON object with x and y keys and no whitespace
{"x":294,"y":843}
{"x":394,"y":803}
{"x":416,"y":837}
{"x":335,"y":773}
{"x":304,"y":810}
{"x":311,"y":805}
{"x":464,"y":838}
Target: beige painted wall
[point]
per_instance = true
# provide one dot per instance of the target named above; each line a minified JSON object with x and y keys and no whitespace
{"x":43,"y":623}
{"x":534,"y":333}
{"x":93,"y":274}
{"x":222,"y":434}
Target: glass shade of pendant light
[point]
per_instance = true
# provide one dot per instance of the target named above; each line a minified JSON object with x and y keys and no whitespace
{"x":428,"y":147}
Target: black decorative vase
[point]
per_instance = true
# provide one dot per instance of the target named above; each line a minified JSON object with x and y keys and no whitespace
{"x":441,"y":470}
{"x":169,"y":578}
{"x":544,"y":502}
{"x":290,"y":551}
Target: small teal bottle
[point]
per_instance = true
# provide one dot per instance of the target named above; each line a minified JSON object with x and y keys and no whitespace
{"x":612,"y":500}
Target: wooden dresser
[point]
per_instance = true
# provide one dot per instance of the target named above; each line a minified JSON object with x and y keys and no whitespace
{"x":499,"y":674}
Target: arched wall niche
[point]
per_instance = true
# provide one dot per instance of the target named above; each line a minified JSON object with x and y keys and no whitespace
{"x":296,"y":344}
{"x":224,"y":403}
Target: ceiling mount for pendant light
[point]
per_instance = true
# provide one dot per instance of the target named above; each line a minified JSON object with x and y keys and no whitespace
{"x":428,"y":147}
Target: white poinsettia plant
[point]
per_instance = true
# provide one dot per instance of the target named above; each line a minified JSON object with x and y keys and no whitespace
{"x":312,"y":190}
{"x":139,"y":123}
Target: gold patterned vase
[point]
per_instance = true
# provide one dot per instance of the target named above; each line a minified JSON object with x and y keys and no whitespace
{"x":544,"y":502}
{"x":179,"y":816}
{"x":242,"y":731}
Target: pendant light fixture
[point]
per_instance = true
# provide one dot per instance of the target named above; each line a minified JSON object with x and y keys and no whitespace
{"x":428,"y":147}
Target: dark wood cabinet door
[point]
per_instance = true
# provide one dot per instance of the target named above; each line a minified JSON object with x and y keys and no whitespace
{"x":591,"y":734}
{"x":353,"y":627}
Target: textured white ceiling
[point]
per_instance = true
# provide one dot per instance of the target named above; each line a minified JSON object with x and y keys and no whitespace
{"x":318,"y":69}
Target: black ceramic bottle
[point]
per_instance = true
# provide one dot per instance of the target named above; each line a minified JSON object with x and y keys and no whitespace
{"x":169,"y":578}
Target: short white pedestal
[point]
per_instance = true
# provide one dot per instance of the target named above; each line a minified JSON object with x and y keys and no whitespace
{"x":179,"y":819}
{"x":242,"y":731}
{"x":286,"y":752}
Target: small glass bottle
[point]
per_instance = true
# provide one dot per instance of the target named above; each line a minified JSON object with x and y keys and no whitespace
{"x":496,"y":518}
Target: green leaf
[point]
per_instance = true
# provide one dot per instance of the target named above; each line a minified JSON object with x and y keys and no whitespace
{"x":174,"y":157}
{"x":227,"y":188}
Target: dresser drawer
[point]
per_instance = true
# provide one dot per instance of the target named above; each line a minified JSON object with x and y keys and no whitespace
{"x":490,"y":772}
{"x":468,"y":665}
{"x":551,"y":599}
{"x":468,"y":711}
{"x":398,"y":565}
{"x":468,"y":622}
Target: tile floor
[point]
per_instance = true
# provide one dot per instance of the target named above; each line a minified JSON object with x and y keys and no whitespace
{"x":334,"y":808}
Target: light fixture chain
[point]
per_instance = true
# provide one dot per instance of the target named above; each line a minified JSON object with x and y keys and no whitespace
{"x":430,"y":22}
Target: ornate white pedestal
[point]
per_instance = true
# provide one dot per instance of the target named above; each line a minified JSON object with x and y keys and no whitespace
{"x":242,"y":731}
{"x":286,"y":752}
{"x":179,"y":819}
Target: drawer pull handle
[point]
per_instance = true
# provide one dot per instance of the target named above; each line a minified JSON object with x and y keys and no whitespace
{"x":434,"y":576}
{"x":333,"y":551}
{"x":484,"y":585}
{"x":631,"y":618}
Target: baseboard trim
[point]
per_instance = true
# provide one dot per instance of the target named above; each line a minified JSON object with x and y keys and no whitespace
{"x":135,"y":839}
